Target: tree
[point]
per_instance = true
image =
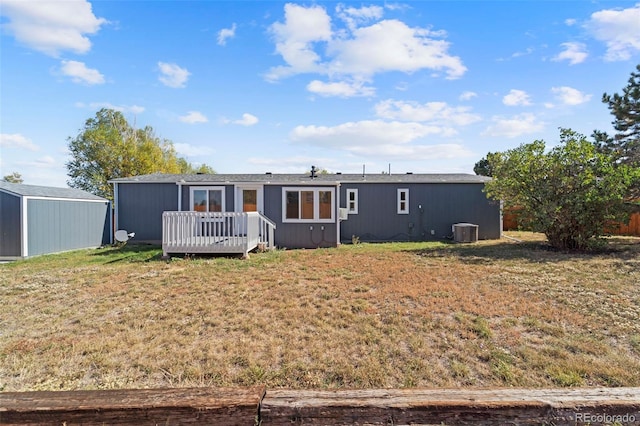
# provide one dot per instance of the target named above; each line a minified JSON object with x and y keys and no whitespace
{"x":625,"y":144}
{"x":570,"y":193}
{"x":108,"y":147}
{"x":14,"y":177}
{"x":483,"y":166}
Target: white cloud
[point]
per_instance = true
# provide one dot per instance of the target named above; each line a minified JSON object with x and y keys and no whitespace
{"x":342,"y":89}
{"x":246,"y":120}
{"x":467,"y":96}
{"x":414,"y":152}
{"x":367,"y":133}
{"x":16,"y":140}
{"x":570,"y":22}
{"x":435,"y":112}
{"x":619,"y":30}
{"x":307,"y":44}
{"x":191,"y":150}
{"x":570,"y":96}
{"x":46,"y":161}
{"x":357,"y":16}
{"x":225,"y":34}
{"x":172,"y":75}
{"x":391,"y":45}
{"x":134,"y":109}
{"x":79,"y":73}
{"x":573,"y":52}
{"x":193,"y":117}
{"x":518,"y":125}
{"x":392,"y":140}
{"x":52,"y":26}
{"x":516,"y":98}
{"x":294,"y":164}
{"x":295,"y":37}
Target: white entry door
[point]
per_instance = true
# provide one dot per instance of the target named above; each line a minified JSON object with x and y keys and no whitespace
{"x":249,"y":198}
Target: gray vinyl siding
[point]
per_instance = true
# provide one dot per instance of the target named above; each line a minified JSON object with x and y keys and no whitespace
{"x":432,"y":206}
{"x":61,"y":225}
{"x":10,"y":235}
{"x":296,"y":235}
{"x":140,"y":208}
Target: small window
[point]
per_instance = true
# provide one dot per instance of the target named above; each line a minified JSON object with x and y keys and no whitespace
{"x":403,"y":201}
{"x":352,"y":201}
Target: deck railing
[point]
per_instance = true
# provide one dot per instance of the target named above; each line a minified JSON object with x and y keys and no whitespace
{"x":215,"y":232}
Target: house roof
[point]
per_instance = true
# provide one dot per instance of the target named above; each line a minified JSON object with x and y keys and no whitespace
{"x":20,"y":189}
{"x":331,"y":178}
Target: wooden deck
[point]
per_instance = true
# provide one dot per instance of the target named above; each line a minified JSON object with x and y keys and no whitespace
{"x":212,"y":232}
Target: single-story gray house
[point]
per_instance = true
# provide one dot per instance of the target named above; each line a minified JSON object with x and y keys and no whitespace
{"x":37,"y":220}
{"x":301,"y":210}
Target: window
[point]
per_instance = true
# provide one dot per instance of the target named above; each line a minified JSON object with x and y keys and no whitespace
{"x":207,"y":199}
{"x":352,"y":201}
{"x":308,"y":204}
{"x":403,"y":201}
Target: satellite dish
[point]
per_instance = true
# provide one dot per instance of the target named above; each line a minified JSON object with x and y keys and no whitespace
{"x":123,"y":236}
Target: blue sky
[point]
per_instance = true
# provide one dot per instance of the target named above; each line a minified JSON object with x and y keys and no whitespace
{"x":257,"y":86}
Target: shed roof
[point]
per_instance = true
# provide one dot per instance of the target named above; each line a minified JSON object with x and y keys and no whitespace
{"x":269,"y":178}
{"x":23,"y":190}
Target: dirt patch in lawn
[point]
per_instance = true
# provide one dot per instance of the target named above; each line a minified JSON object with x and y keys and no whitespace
{"x":495,"y":313}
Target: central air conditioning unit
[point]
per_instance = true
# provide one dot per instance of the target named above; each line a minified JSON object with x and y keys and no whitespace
{"x":465,"y":233}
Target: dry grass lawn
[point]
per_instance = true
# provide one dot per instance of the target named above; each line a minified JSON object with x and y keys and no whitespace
{"x":496,"y":313}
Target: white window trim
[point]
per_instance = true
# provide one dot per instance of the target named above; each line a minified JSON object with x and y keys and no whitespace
{"x":404,"y":191}
{"x":355,"y":200}
{"x":207,"y":188}
{"x":316,"y":204}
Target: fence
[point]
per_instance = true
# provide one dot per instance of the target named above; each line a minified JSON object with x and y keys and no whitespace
{"x":510,"y":223}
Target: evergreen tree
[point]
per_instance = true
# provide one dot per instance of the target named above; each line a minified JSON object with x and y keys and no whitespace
{"x":624,"y":146}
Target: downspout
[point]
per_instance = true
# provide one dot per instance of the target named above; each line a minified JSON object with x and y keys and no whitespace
{"x":116,"y":205}
{"x":110,"y":222}
{"x":24,"y":226}
{"x":338,"y":221}
{"x":179,"y":197}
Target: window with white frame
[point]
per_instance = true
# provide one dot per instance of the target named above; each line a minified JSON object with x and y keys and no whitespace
{"x":308,"y":204}
{"x":403,"y":201}
{"x":207,"y":199}
{"x":352,"y":201}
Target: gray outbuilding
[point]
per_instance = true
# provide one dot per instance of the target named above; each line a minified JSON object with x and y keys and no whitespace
{"x":36,"y":220}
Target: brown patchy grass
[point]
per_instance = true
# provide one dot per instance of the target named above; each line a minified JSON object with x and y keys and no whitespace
{"x":495,"y":313}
